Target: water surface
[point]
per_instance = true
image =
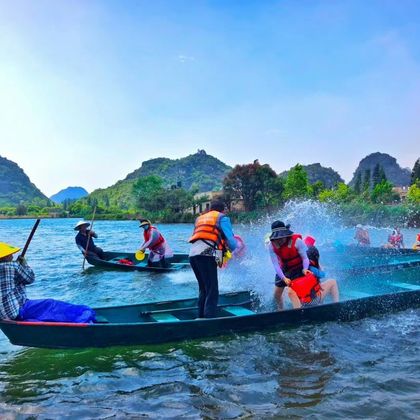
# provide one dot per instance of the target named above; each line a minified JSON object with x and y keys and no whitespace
{"x":363,"y":369}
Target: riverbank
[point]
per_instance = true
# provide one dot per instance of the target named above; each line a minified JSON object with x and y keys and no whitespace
{"x":351,"y":214}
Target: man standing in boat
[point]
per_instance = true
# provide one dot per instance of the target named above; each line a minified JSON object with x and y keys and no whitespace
{"x":156,"y":243}
{"x":291,"y":263}
{"x":84,"y":239}
{"x":211,"y":238}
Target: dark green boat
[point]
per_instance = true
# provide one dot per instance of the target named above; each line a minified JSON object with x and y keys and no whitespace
{"x":128,"y":262}
{"x":159,"y":322}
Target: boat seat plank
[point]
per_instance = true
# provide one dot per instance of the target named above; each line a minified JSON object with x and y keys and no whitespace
{"x":406,"y":286}
{"x":101,"y":319}
{"x":238,"y":310}
{"x":165,"y":317}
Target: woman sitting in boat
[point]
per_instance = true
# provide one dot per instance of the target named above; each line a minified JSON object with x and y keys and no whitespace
{"x":156,"y":243}
{"x":85,"y":242}
{"x":291,"y":263}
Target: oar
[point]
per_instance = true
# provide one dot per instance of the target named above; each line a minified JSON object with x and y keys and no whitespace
{"x":87,"y":243}
{"x":28,"y":241}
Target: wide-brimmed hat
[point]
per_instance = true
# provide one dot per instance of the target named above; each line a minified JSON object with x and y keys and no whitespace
{"x":144,"y":222}
{"x":279,"y":230}
{"x":81,"y":223}
{"x":6,"y":249}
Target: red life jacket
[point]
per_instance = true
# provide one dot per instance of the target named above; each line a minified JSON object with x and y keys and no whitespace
{"x":148,"y":233}
{"x":307,"y":288}
{"x":289,"y":257}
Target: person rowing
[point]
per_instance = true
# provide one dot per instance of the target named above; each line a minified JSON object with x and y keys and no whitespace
{"x":85,"y":242}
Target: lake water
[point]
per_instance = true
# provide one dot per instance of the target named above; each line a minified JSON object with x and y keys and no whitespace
{"x":363,"y":369}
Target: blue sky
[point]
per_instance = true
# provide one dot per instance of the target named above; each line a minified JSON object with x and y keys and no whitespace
{"x":90,"y":89}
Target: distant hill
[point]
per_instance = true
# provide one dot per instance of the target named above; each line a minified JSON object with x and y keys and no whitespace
{"x":15,"y":186}
{"x":328,"y":176}
{"x":69,"y":193}
{"x":394,"y":173}
{"x":198,"y":170}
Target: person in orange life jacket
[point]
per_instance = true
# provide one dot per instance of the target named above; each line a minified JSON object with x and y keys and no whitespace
{"x":328,"y":287}
{"x":288,"y":255}
{"x":211,"y":237}
{"x":84,"y":238}
{"x":362,"y":236}
{"x":153,"y":240}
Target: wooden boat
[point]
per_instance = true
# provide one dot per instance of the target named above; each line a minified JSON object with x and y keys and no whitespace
{"x":158,"y":322}
{"x":128,"y":262}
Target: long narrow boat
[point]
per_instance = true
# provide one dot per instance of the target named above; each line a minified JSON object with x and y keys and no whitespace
{"x":127,"y":261}
{"x":158,"y":322}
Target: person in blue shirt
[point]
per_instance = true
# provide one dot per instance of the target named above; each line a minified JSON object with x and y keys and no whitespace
{"x":211,"y":238}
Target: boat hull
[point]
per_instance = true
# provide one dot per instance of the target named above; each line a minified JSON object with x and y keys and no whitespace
{"x":112,"y":260}
{"x":61,"y":335}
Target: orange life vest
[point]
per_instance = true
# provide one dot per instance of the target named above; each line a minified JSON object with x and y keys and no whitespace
{"x":307,"y":288}
{"x":289,"y":257}
{"x":148,"y":233}
{"x":207,"y":229}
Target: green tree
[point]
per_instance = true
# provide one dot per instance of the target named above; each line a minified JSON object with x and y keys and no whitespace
{"x":255,"y":184}
{"x":378,"y":175}
{"x":341,"y":194}
{"x":366,"y":180}
{"x":415,"y":173}
{"x":296,"y":185}
{"x":21,"y":210}
{"x":382,"y":193}
{"x":358,"y":183}
{"x":148,"y":193}
{"x":317,"y":187}
{"x":413,"y":195}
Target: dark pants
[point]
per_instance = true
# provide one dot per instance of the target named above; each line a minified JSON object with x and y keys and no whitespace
{"x":205,"y":270}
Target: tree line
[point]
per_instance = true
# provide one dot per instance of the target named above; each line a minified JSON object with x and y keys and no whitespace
{"x":256,"y":187}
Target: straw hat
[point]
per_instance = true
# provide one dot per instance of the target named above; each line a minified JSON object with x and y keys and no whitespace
{"x":144,"y":222}
{"x":6,"y":249}
{"x":81,"y":223}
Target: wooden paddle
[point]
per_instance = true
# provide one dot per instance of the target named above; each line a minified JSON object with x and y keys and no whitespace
{"x":87,"y":243}
{"x":28,"y":241}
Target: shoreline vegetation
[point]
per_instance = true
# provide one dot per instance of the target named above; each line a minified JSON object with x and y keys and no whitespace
{"x":251,"y":192}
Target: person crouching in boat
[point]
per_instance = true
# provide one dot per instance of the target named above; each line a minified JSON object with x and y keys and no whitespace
{"x":85,"y":242}
{"x":158,"y":247}
{"x":14,"y":305}
{"x":328,"y":287}
{"x":288,"y":255}
{"x":211,"y":238}
{"x":291,"y":263}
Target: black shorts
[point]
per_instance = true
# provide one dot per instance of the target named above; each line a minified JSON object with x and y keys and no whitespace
{"x":279,"y":282}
